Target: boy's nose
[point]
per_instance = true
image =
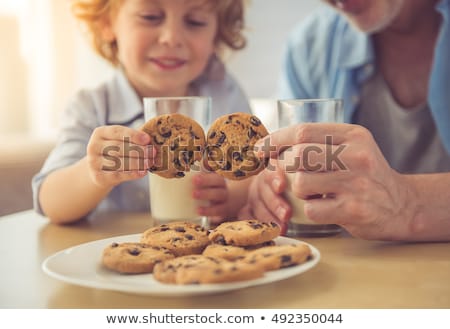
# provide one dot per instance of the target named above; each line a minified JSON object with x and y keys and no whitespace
{"x":171,"y":34}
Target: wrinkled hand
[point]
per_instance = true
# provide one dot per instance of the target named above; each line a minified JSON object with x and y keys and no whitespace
{"x":211,"y":189}
{"x":116,"y":154}
{"x":363,"y":194}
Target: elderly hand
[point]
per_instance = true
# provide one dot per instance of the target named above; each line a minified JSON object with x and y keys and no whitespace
{"x":364,"y":195}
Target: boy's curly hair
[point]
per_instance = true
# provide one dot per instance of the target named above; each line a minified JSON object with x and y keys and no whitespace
{"x":94,"y":13}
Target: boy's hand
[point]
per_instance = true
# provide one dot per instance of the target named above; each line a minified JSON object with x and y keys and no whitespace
{"x":265,"y":198}
{"x":212,"y":189}
{"x":117,"y":153}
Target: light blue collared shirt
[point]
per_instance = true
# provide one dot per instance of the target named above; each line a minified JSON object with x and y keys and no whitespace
{"x":326,"y":57}
{"x":115,"y":102}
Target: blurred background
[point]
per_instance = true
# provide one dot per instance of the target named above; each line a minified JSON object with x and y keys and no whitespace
{"x":45,"y":59}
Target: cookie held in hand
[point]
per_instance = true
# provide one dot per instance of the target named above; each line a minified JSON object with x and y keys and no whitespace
{"x":230,"y":142}
{"x":179,"y":141}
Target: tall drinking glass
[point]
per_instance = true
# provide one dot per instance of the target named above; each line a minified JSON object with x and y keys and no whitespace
{"x":171,"y":198}
{"x":295,"y":111}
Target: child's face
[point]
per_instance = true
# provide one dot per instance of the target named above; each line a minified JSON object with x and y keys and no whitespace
{"x":163,"y":45}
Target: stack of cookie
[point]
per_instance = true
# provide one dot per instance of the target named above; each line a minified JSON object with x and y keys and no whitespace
{"x":186,"y":253}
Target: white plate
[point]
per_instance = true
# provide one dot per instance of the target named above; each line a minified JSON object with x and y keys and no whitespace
{"x":81,"y":265}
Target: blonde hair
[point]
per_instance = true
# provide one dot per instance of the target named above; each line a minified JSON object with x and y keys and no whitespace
{"x":94,"y":14}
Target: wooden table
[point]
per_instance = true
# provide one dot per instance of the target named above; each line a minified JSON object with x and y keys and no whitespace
{"x":352,"y":273}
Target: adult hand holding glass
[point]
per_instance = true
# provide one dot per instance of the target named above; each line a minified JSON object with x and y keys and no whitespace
{"x":365,"y":195}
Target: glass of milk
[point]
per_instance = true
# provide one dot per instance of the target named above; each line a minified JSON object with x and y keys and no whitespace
{"x":171,"y":198}
{"x":295,"y":111}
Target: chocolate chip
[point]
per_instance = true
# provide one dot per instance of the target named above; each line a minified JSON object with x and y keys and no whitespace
{"x":114,"y":244}
{"x":185,"y":155}
{"x":212,"y":135}
{"x":239,"y":173}
{"x":158,"y":140}
{"x":220,"y":240}
{"x":189,"y":237}
{"x":179,"y":229}
{"x":286,"y":259}
{"x":167,"y":134}
{"x":255,"y":121}
{"x":227,"y":166}
{"x":237,"y":156}
{"x":222,"y":139}
{"x":245,"y":149}
{"x":251,"y":133}
{"x":134,"y":252}
{"x":214,"y":260}
{"x":180,"y":174}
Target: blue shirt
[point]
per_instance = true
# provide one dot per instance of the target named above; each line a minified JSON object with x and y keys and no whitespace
{"x":326,"y":57}
{"x":115,"y":102}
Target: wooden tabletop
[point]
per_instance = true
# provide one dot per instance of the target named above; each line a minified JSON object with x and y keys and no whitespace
{"x":352,"y":273}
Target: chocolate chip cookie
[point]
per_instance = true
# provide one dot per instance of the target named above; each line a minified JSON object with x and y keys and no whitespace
{"x":225,"y":252}
{"x":244,"y":233}
{"x":230,"y":141}
{"x":232,"y":253}
{"x":167,"y":271}
{"x":133,"y":258}
{"x":199,"y":269}
{"x":181,"y":238}
{"x":280,"y":256}
{"x":179,"y":141}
